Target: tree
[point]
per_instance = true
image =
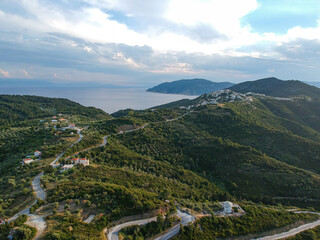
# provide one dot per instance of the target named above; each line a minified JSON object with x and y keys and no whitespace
{"x":22,"y":233}
{"x":25,"y":191}
{"x":88,"y":203}
{"x":12,"y":182}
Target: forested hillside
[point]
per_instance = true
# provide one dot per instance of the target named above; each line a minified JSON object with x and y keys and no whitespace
{"x":19,"y":108}
{"x":256,"y":151}
{"x":190,"y":86}
{"x":278,"y":88}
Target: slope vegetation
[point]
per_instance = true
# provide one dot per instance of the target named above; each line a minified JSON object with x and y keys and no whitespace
{"x":278,"y":88}
{"x":190,"y":86}
{"x":15,"y":108}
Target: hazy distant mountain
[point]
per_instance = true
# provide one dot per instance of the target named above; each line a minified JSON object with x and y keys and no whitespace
{"x":278,"y":88}
{"x":27,"y":83}
{"x":316,"y":84}
{"x":195,"y":86}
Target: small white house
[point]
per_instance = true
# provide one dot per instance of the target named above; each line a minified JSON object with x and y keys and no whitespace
{"x":27,"y":161}
{"x":227,"y":207}
{"x":83,"y":161}
{"x":37,"y":153}
{"x":66,"y":167}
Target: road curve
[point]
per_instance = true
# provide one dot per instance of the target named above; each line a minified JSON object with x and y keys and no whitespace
{"x":114,"y":232}
{"x":293,"y":231}
{"x":185,"y":219}
{"x":34,"y":220}
{"x":54,"y":163}
{"x":36,"y":185}
{"x":40,"y":193}
{"x":38,"y":221}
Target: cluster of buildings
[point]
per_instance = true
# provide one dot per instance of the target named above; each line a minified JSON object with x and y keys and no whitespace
{"x":59,"y":118}
{"x":29,"y":159}
{"x":75,"y":161}
{"x":226,"y":95}
{"x":221,"y":96}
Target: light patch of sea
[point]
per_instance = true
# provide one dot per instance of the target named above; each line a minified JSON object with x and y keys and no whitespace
{"x":108,"y":99}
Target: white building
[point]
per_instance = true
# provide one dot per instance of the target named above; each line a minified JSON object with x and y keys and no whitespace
{"x":66,"y":167}
{"x":27,"y":161}
{"x":37,"y":153}
{"x":83,"y":161}
{"x":227,"y":207}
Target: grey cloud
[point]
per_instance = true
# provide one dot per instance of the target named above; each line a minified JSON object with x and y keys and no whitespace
{"x":54,"y":50}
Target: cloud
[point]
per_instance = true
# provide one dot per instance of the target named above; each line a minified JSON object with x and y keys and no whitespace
{"x":4,"y":73}
{"x":148,"y":41}
{"x":26,"y":74}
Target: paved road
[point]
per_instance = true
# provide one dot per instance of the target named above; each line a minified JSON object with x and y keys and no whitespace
{"x":105,"y":141}
{"x":114,"y":232}
{"x":89,"y":219}
{"x":294,"y":231}
{"x":173,"y":231}
{"x":34,"y":220}
{"x":186,"y":218}
{"x":54,"y":163}
{"x":38,"y":221}
{"x":40,"y":193}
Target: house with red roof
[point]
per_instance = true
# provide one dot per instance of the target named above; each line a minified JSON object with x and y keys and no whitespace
{"x":37,"y":154}
{"x":27,"y":161}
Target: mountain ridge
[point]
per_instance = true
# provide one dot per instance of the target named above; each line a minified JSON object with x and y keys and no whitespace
{"x":195,"y":86}
{"x":278,"y":88}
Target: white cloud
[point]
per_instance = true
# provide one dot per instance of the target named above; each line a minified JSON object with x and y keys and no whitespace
{"x":4,"y":73}
{"x":178,"y":37}
{"x":26,"y":74}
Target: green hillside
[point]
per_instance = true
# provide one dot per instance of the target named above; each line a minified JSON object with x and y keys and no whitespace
{"x":278,"y":88}
{"x":258,"y":152}
{"x":254,"y":125}
{"x":242,"y":170}
{"x":190,"y":86}
{"x":15,"y":108}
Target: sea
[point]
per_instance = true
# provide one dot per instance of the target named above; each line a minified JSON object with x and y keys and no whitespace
{"x":108,"y":99}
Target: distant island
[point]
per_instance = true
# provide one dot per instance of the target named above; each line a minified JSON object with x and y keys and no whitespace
{"x":194,"y":86}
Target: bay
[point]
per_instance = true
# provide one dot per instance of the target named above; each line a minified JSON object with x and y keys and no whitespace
{"x":108,"y":99}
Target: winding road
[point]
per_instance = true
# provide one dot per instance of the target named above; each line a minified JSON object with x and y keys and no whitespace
{"x":54,"y":163}
{"x":114,"y":232}
{"x":185,"y":220}
{"x":38,"y":222}
{"x":293,"y":231}
{"x":35,"y":220}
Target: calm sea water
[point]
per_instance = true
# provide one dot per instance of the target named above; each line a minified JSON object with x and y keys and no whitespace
{"x":108,"y":99}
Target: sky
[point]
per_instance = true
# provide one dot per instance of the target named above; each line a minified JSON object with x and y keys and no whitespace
{"x":142,"y":43}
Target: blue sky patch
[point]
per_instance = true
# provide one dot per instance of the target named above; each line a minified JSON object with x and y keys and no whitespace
{"x":278,"y":16}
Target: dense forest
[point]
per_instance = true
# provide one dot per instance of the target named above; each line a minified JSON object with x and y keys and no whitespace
{"x":262,"y":154}
{"x":14,"y":109}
